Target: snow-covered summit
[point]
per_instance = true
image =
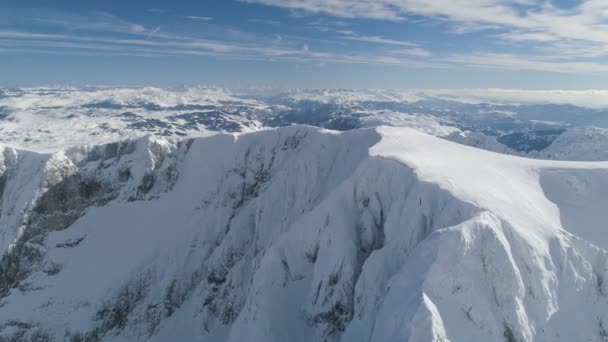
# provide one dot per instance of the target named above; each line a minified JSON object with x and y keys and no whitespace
{"x":301,"y":234}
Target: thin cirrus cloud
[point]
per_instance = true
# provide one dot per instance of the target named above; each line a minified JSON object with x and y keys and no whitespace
{"x":92,"y":21}
{"x":556,"y":49}
{"x":196,"y":17}
{"x":264,"y":21}
{"x":350,"y":35}
{"x":156,"y":44}
{"x":587,"y":20}
{"x":416,"y":51}
{"x":520,"y":62}
{"x":520,"y":19}
{"x":104,"y":33}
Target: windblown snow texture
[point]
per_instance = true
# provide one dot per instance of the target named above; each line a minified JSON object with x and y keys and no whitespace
{"x":301,"y":234}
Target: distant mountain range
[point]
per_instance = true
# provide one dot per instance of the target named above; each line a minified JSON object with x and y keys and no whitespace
{"x":51,"y":118}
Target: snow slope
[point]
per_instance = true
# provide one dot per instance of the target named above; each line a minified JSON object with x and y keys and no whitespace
{"x":580,"y":143}
{"x":301,"y":234}
{"x":577,"y":144}
{"x":481,"y":141}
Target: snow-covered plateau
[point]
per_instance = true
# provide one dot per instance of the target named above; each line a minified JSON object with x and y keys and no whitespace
{"x":49,"y":119}
{"x":205,"y":215}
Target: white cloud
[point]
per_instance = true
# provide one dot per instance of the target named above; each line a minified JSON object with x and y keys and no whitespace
{"x":375,"y":39}
{"x":161,"y":44}
{"x":137,"y":28}
{"x":523,"y":20}
{"x":153,"y":44}
{"x":196,"y":17}
{"x":338,"y":8}
{"x":264,"y":22}
{"x":95,"y":21}
{"x":111,"y":32}
{"x":417,"y":51}
{"x":584,"y":98}
{"x":325,"y":22}
{"x":520,"y":62}
{"x":30,"y":35}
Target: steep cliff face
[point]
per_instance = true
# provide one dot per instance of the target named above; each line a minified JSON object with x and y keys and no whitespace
{"x":298,"y":234}
{"x":42,"y":194}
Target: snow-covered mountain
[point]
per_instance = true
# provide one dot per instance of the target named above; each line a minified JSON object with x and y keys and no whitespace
{"x":301,"y":234}
{"x":580,"y":143}
{"x":53,"y":118}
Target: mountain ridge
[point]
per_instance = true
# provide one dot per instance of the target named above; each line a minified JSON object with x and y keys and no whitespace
{"x":308,"y":234}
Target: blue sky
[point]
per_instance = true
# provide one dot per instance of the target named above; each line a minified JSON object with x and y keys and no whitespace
{"x":522,"y":44}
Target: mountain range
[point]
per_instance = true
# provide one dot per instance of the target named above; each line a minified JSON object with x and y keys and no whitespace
{"x":143,"y":214}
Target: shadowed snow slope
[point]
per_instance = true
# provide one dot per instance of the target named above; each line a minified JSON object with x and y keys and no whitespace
{"x":301,"y":234}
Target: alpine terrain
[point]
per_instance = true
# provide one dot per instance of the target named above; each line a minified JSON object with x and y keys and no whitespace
{"x":207,"y":214}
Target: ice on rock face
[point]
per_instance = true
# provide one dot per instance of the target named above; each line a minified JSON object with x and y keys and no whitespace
{"x":300,"y":234}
